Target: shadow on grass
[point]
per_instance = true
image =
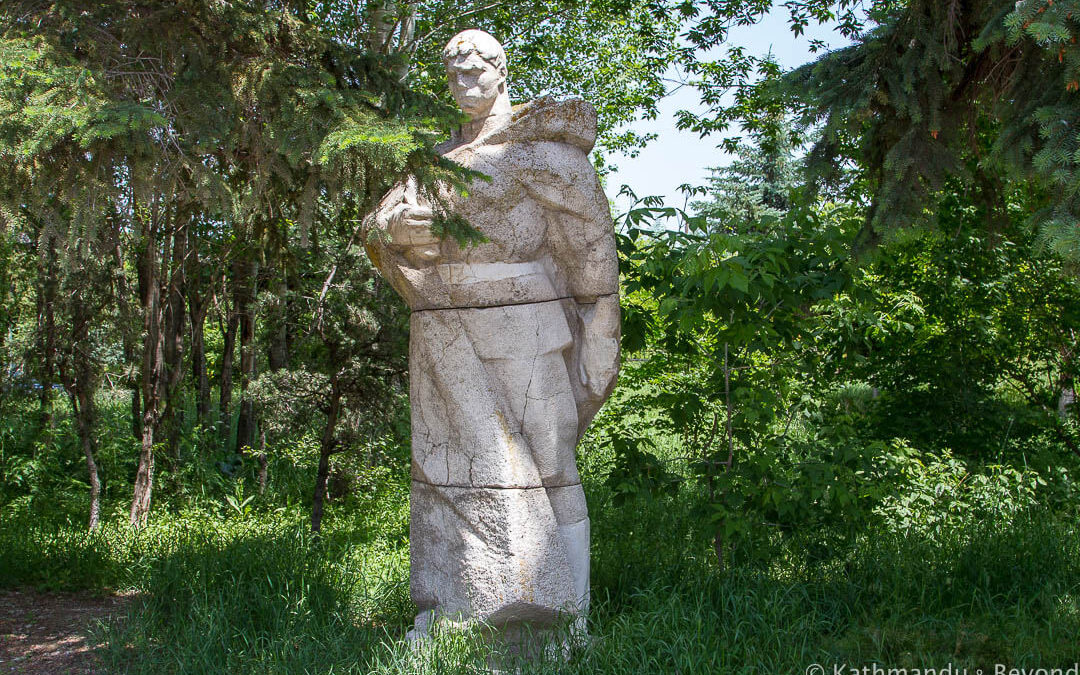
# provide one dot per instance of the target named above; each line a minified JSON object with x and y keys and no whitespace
{"x":264,"y":596}
{"x":276,"y":601}
{"x":978,"y":595}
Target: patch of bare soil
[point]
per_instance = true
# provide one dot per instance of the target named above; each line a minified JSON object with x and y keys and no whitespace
{"x":48,"y":633}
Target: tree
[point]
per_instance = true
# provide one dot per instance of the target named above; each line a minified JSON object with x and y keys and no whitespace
{"x":755,"y":188}
{"x":354,"y":365}
{"x":217,"y":126}
{"x":982,"y":91}
{"x":82,"y":305}
{"x":614,"y":54}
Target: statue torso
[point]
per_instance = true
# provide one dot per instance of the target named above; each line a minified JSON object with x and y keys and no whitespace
{"x":523,"y":160}
{"x":501,"y":208}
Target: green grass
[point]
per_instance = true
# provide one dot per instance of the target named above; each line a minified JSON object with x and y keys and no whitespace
{"x":990,"y":575}
{"x":259,"y":594}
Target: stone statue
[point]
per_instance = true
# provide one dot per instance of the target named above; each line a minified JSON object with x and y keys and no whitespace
{"x":514,"y":347}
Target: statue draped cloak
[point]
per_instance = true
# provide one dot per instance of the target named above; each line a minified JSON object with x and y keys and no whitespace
{"x":499,"y":393}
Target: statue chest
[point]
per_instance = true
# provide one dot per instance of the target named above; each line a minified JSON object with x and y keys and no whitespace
{"x":501,"y":208}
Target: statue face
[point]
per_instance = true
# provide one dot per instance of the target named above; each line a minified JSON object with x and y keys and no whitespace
{"x":475,"y":83}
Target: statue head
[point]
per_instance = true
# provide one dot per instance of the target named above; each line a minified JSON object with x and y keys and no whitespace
{"x":476,"y":70}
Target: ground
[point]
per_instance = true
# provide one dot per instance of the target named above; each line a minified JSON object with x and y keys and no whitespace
{"x":49,"y":633}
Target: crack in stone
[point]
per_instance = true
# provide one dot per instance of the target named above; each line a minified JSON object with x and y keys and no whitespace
{"x":513,"y":304}
{"x":532,"y":376}
{"x":497,"y":487}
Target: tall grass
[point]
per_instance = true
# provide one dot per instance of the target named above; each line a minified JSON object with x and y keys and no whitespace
{"x":969,"y":570}
{"x":259,"y":594}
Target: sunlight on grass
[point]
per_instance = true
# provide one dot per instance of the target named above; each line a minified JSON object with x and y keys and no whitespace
{"x":262,"y":595}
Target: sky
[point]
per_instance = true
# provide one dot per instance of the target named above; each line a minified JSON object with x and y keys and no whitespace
{"x":676,"y":157}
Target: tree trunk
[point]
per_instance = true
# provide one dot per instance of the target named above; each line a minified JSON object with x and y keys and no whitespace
{"x":392,"y":31}
{"x":198,"y":362}
{"x":245,"y":304}
{"x":175,"y":314}
{"x":77,"y":373}
{"x":46,"y":338}
{"x":278,"y":353}
{"x":122,"y":292}
{"x":152,"y":370}
{"x":226,"y":384}
{"x":327,"y":447}
{"x":198,"y":306}
{"x":82,"y":406}
{"x":144,"y":477}
{"x":264,"y":468}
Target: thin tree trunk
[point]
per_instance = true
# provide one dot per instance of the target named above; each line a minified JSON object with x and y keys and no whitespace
{"x":152,"y":371}
{"x":82,"y":406}
{"x":76,"y":371}
{"x":225,"y":386}
{"x":718,"y":537}
{"x":46,"y":338}
{"x":198,"y":362}
{"x":95,"y":486}
{"x":264,"y":464}
{"x":122,"y":292}
{"x":278,"y":352}
{"x":198,"y":306}
{"x":175,"y":313}
{"x":245,"y":303}
{"x":327,"y":447}
{"x":278,"y":318}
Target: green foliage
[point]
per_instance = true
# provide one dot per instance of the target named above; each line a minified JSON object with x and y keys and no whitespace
{"x":940,"y":490}
{"x":636,"y":472}
{"x":756,"y":187}
{"x":798,"y":381}
{"x":810,"y":458}
{"x":984,"y":92}
{"x":725,"y":344}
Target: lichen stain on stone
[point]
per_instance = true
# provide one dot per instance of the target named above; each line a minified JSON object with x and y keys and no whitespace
{"x":511,"y":446}
{"x":373,"y":255}
{"x":524,"y":578}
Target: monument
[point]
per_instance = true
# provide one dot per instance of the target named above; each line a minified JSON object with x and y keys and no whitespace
{"x":514,"y":347}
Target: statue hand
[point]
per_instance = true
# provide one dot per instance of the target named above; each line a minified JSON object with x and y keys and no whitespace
{"x":410,"y":225}
{"x":599,"y":355}
{"x":409,"y":228}
{"x":599,"y":363}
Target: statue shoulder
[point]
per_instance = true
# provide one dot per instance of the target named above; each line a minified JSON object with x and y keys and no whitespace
{"x":572,"y":122}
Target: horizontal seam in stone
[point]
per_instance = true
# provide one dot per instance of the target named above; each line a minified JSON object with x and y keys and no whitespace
{"x":495,"y":487}
{"x":510,"y":304}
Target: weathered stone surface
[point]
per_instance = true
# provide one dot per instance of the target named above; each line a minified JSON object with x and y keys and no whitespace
{"x":487,"y":554}
{"x":491,"y":407}
{"x":514,"y":346}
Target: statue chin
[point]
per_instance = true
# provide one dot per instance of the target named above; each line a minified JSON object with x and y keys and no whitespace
{"x":476,"y":109}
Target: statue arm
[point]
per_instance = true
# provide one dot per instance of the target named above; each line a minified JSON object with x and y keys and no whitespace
{"x":581,"y":235}
{"x":582,"y":241}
